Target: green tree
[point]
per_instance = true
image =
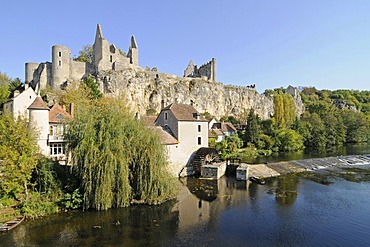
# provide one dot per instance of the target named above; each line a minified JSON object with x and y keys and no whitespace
{"x":289,"y":140}
{"x":4,"y":78}
{"x":4,"y":93}
{"x":229,"y":119}
{"x":252,"y":131}
{"x":15,"y":84}
{"x":313,"y":131}
{"x":284,"y":110}
{"x":117,"y":159}
{"x":357,"y":127}
{"x":18,"y":148}
{"x":85,"y":55}
{"x":4,"y":88}
{"x":93,"y":86}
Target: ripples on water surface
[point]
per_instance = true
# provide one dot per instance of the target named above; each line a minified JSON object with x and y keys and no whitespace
{"x":288,"y":211}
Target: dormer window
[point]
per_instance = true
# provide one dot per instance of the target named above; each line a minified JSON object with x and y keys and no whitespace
{"x":196,"y":115}
{"x":59,"y":117}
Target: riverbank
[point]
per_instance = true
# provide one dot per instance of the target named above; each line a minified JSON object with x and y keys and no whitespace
{"x":285,"y":167}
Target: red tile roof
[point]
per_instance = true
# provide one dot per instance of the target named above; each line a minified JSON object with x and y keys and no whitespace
{"x":38,"y":103}
{"x":185,"y":112}
{"x":57,"y":114}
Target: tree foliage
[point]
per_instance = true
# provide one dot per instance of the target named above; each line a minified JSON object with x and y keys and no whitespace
{"x":93,"y":87}
{"x":4,"y":93}
{"x":117,"y":159}
{"x":252,"y":131}
{"x":85,"y":55}
{"x":18,"y":148}
{"x":284,"y":110}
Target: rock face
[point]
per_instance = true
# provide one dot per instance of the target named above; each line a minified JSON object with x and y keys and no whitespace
{"x":145,"y":89}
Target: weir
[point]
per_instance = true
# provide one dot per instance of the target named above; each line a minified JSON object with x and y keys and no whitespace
{"x":286,"y":167}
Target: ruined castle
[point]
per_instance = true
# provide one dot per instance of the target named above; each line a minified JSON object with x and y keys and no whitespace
{"x":63,"y":68}
{"x":145,"y":89}
{"x":207,"y":70}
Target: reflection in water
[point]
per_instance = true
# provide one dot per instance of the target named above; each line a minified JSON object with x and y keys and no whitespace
{"x":286,"y":189}
{"x":287,"y":211}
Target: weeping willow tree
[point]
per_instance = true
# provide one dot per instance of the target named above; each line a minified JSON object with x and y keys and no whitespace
{"x":118,"y":160}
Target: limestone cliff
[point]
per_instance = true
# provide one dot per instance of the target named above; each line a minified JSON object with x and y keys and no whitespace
{"x":145,"y":89}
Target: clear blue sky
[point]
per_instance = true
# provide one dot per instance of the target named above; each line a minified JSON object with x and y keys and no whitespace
{"x":270,"y":43}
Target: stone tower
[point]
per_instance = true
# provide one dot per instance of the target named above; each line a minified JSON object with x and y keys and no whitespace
{"x":100,"y":49}
{"x":61,"y":61}
{"x":133,"y":52}
{"x":39,"y":120}
{"x":30,"y":70}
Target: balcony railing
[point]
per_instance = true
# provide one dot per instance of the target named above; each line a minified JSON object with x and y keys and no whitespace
{"x":56,"y":138}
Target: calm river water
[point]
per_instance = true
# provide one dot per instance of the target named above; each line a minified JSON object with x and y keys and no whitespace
{"x":325,"y":208}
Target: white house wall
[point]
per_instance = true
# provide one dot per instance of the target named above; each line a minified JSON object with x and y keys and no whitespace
{"x":18,"y":106}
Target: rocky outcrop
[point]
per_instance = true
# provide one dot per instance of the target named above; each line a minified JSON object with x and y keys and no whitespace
{"x":293,"y":91}
{"x":145,"y":89}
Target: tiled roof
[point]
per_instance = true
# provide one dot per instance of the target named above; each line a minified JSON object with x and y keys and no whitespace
{"x":185,"y":112}
{"x":57,"y":114}
{"x":165,"y":135}
{"x":148,"y":120}
{"x":38,"y":103}
{"x":228,"y":127}
{"x":214,"y":133}
{"x":224,"y":127}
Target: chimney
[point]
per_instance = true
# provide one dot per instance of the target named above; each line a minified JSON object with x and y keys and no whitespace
{"x":162,"y":104}
{"x":16,"y":93}
{"x":26,"y":86}
{"x":196,"y":115}
{"x":72,"y":109}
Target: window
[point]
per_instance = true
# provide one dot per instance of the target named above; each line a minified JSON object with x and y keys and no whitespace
{"x":199,"y":140}
{"x":60,"y":54}
{"x":57,"y":149}
{"x":60,"y":63}
{"x":56,"y":130}
{"x":199,"y":128}
{"x":111,"y":58}
{"x":165,"y":116}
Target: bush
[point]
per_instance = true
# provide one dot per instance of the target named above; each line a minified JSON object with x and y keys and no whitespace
{"x":39,"y":205}
{"x":72,"y":201}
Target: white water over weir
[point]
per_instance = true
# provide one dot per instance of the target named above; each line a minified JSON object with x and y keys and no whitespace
{"x":285,"y":167}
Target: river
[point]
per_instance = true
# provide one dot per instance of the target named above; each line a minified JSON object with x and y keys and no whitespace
{"x":323,"y":208}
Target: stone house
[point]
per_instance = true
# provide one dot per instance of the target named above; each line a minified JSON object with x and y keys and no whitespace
{"x":183,"y":131}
